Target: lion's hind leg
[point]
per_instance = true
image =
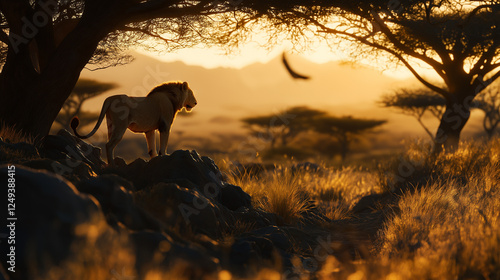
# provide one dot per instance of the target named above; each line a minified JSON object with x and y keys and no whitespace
{"x":115,"y":135}
{"x":151,"y":139}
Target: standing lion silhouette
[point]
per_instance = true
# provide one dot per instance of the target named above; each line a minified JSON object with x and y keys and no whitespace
{"x":156,"y":111}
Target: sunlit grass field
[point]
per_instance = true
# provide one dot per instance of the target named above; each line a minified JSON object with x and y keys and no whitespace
{"x":431,"y":217}
{"x":444,"y":222}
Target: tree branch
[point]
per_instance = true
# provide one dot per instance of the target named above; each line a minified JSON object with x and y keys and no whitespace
{"x":479,"y":84}
{"x":387,"y":32}
{"x":162,"y":9}
{"x":394,"y":53}
{"x":419,"y":119}
{"x":144,"y":31}
{"x":481,"y":67}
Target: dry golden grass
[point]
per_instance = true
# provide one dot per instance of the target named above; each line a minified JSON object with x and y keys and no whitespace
{"x":10,"y":135}
{"x":446,"y":224}
{"x":13,"y":135}
{"x":279,"y":192}
{"x":288,"y":193}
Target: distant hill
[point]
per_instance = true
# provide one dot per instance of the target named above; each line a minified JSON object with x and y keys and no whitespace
{"x":225,"y":95}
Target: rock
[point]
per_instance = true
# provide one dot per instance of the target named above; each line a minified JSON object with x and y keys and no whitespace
{"x":262,"y":247}
{"x":117,"y":202}
{"x":70,"y":151}
{"x":233,"y":197}
{"x":369,"y":203}
{"x":81,"y":171}
{"x":188,"y":170}
{"x":48,"y":210}
{"x":155,"y":251}
{"x":187,"y":165}
{"x":184,"y":208}
{"x":17,"y":152}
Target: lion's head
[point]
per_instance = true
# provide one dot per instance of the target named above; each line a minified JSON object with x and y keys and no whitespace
{"x":189,"y":99}
{"x":179,"y":93}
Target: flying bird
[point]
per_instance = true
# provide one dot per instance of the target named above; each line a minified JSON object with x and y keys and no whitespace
{"x":294,"y":74}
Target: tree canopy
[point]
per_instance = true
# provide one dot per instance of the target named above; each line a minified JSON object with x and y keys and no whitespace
{"x":459,"y":40}
{"x":288,"y":124}
{"x":417,"y":102}
{"x":44,"y":45}
{"x":345,"y":129}
{"x":84,"y":90}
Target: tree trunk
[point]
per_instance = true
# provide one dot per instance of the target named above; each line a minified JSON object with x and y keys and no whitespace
{"x":453,"y":121}
{"x":30,"y":100}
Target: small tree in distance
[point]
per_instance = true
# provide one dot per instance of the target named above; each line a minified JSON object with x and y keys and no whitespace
{"x":345,"y":129}
{"x":85,"y":89}
{"x":415,"y":103}
{"x":489,"y":102}
{"x":279,"y":129}
{"x":283,"y":126}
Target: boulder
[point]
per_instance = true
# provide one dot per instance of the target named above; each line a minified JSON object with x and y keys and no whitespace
{"x":48,"y":210}
{"x":117,"y":203}
{"x":79,"y":172}
{"x":234,"y":198}
{"x":180,"y":165}
{"x":156,"y":251}
{"x":16,"y":152}
{"x":184,"y":208}
{"x":268,"y":246}
{"x":71,"y":151}
{"x":188,"y":170}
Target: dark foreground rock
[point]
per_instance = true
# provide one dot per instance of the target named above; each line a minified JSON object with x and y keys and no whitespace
{"x":47,"y":211}
{"x":173,"y":215}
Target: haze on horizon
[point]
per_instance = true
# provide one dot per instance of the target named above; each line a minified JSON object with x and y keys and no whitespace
{"x":256,"y":52}
{"x":228,"y":94}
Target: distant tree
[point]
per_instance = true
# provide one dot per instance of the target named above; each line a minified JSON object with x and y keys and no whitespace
{"x":489,"y":102}
{"x":416,"y":102}
{"x":282,"y":126}
{"x":345,"y":129}
{"x":84,"y":89}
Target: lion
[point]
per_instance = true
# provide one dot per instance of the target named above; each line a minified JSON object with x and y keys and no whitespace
{"x":156,"y":111}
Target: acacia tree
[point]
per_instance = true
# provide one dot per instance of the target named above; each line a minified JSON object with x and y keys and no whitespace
{"x":459,"y":40}
{"x":416,"y":103}
{"x":345,"y":129}
{"x":489,"y":102}
{"x":44,"y":45}
{"x":84,"y":90}
{"x":282,"y":126}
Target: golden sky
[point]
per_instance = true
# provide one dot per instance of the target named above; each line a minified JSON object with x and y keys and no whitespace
{"x":255,"y":51}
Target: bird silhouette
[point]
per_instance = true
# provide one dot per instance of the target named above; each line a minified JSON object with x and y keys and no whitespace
{"x":294,"y":74}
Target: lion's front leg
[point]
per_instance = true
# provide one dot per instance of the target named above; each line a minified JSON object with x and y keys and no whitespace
{"x":151,"y":139}
{"x":163,"y":142}
{"x":164,"y":129}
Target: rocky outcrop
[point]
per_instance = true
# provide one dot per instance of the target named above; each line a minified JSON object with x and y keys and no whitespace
{"x":172,"y":211}
{"x":188,"y":170}
{"x":48,"y":211}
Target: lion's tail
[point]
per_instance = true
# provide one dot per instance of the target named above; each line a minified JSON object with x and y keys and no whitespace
{"x":75,"y":121}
